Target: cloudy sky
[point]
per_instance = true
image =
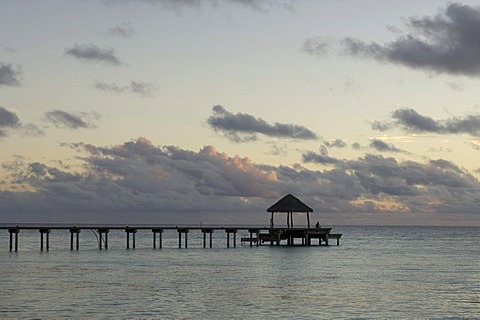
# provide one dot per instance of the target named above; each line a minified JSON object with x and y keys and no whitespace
{"x":188,"y":111}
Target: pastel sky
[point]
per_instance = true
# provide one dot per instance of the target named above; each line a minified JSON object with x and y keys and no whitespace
{"x":189,"y":111}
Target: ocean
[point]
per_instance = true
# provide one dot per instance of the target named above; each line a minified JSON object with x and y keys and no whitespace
{"x":375,"y":273}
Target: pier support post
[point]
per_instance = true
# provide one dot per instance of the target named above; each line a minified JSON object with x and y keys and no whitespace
{"x":47,"y":234}
{"x":184,"y":231}
{"x":205,"y":231}
{"x":234,"y":232}
{"x":13,"y":233}
{"x":75,"y":231}
{"x":103,"y":232}
{"x":131,"y":231}
{"x":155,"y":232}
{"x":326,"y":239}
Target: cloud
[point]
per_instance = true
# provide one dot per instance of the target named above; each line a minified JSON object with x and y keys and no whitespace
{"x":179,"y":4}
{"x":92,"y":53}
{"x":317,"y":46}
{"x":32,"y":130}
{"x":320,"y":158}
{"x":277,"y":150}
{"x":138,"y":180}
{"x":124,"y":30}
{"x":7,"y":49}
{"x":337,"y":143}
{"x":447,"y":42}
{"x":356,"y":146}
{"x":456,"y":86}
{"x":137,"y":87}
{"x":242,"y":127}
{"x":411,"y":121}
{"x":313,"y":157}
{"x":10,"y":123}
{"x":63,"y":119}
{"x":9,"y":75}
{"x":8,"y":120}
{"x":475,"y":145}
{"x":381,"y":126}
{"x":382,"y":146}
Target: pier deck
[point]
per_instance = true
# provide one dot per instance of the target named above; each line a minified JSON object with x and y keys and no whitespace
{"x":257,"y":236}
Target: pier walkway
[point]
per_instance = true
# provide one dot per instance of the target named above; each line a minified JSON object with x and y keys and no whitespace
{"x":255,"y":237}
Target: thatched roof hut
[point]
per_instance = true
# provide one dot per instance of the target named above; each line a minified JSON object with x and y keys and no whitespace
{"x":290,"y":204}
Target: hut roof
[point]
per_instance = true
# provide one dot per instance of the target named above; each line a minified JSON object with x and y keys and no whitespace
{"x":289,"y":203}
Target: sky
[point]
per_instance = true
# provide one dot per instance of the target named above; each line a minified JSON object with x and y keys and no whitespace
{"x":209,"y":111}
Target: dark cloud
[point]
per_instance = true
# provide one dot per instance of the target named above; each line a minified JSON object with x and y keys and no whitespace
{"x":313,"y":157}
{"x":9,"y":75}
{"x":356,"y":146}
{"x":337,"y":143}
{"x":63,"y":119}
{"x":381,"y":126}
{"x":10,"y":123}
{"x":448,"y":42}
{"x":320,"y":158}
{"x":92,"y":53}
{"x":241,"y":127}
{"x":382,"y":146}
{"x":138,"y":180}
{"x":137,"y":87}
{"x":8,"y":120}
{"x":411,"y":121}
{"x":124,"y":30}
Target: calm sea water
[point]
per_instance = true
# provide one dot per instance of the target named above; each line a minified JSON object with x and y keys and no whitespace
{"x":376,"y":272}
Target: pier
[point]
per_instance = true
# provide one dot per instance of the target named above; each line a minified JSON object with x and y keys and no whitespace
{"x":250,"y":236}
{"x":289,"y":235}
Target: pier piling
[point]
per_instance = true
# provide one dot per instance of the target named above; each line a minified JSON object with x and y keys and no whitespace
{"x":234,"y":232}
{"x":184,"y":231}
{"x":131,"y":231}
{"x":46,"y":232}
{"x":74,"y":231}
{"x":205,"y":231}
{"x":155,"y":232}
{"x":103,"y":232}
{"x":14,"y":231}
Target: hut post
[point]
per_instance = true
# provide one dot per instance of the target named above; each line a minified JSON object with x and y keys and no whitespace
{"x":271,"y":221}
{"x":291,"y":218}
{"x":308,"y":220}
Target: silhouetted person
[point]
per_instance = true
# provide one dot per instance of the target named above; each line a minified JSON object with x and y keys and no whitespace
{"x":317,"y":225}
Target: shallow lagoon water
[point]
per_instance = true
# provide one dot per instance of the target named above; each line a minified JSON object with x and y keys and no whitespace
{"x":376,"y":272}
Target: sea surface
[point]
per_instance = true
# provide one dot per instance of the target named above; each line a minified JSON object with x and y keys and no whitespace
{"x":375,"y":273}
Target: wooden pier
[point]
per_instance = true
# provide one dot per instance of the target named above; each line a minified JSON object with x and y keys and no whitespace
{"x":289,"y":235}
{"x":252,"y":236}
